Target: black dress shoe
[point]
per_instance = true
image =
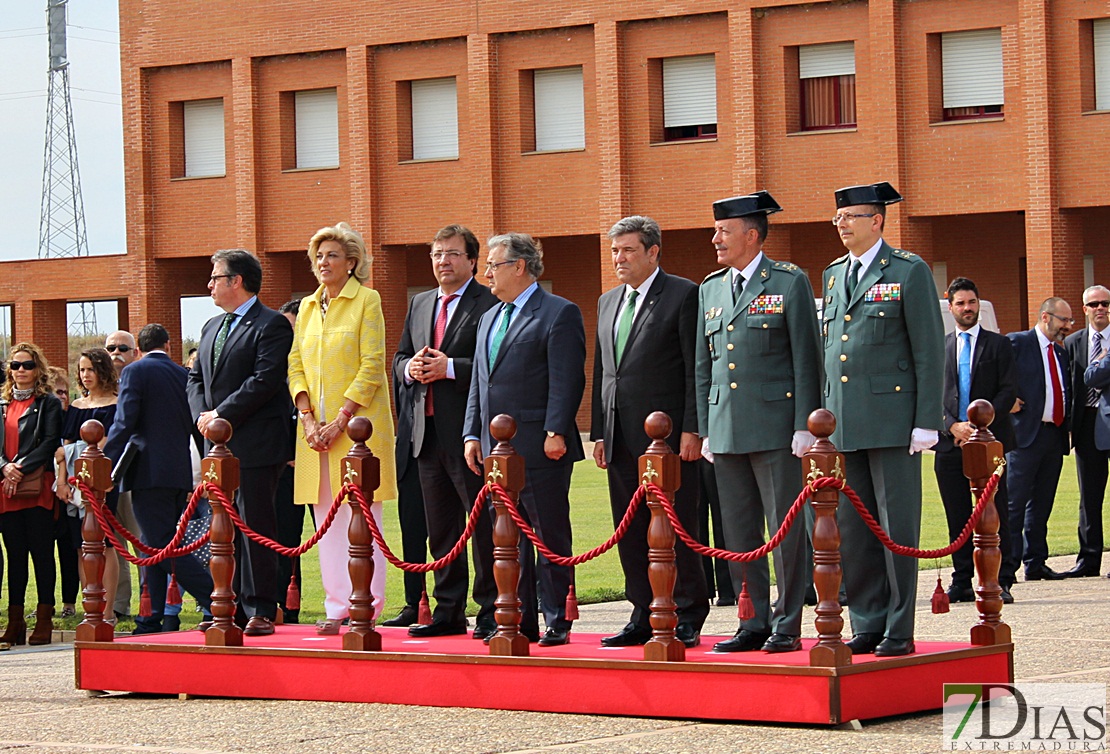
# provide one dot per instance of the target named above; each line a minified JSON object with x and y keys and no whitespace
{"x":895,"y":648}
{"x":782,"y":643}
{"x":484,"y":630}
{"x":408,"y":615}
{"x":1080,"y":572}
{"x":442,"y":628}
{"x":259,"y":626}
{"x":864,"y":644}
{"x":960,"y":594}
{"x":553,"y":637}
{"x":743,"y":641}
{"x":687,"y":634}
{"x":726,"y":602}
{"x":629,"y":636}
{"x":1042,"y":573}
{"x":1007,"y":598}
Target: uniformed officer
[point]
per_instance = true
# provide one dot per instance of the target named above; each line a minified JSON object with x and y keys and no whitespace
{"x":884,"y":377}
{"x":758,"y":378}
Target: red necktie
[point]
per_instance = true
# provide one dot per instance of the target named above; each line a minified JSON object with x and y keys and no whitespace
{"x":437,"y":341}
{"x":1057,"y":390}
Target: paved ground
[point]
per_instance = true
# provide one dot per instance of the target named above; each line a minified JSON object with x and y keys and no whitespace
{"x":1059,"y":628}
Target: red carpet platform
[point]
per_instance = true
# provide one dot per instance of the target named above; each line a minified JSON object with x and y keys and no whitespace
{"x":582,"y":677}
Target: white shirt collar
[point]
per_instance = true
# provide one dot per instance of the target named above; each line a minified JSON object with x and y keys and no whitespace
{"x":644,"y":287}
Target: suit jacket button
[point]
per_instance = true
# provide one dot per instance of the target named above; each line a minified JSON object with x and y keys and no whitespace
{"x":844,"y":378}
{"x":730,"y":328}
{"x":732,"y":385}
{"x":730,"y":346}
{"x":847,"y":317}
{"x":843,"y":357}
{"x":731,"y":366}
{"x":844,"y":337}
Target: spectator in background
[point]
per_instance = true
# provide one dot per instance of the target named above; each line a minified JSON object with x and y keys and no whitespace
{"x":121,"y":346}
{"x":191,"y":358}
{"x":67,"y":522}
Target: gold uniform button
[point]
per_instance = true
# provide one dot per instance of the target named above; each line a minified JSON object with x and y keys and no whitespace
{"x":844,"y":337}
{"x":843,"y":357}
{"x":731,"y":366}
{"x":844,"y":378}
{"x":732,"y":385}
{"x":882,"y":314}
{"x":789,"y":394}
{"x":898,"y":388}
{"x":847,"y":317}
{"x":730,"y":328}
{"x":730,"y":346}
{"x":765,"y":325}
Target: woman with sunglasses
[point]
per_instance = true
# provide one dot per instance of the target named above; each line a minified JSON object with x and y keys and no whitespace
{"x":99,"y":388}
{"x":29,"y":434}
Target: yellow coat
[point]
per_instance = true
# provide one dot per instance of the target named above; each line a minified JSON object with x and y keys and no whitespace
{"x":338,"y":357}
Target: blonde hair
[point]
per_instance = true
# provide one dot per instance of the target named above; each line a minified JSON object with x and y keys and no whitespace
{"x":352,"y":243}
{"x":43,"y":383}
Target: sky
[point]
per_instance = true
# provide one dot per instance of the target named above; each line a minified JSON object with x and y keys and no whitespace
{"x":93,"y":45}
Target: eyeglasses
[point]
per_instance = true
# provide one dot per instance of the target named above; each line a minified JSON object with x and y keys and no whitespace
{"x":491,"y":266}
{"x":1097,"y":304}
{"x":122,"y":348}
{"x":15,"y":366}
{"x":214,"y":278}
{"x":843,"y":218}
{"x":439,"y":256}
{"x":1069,"y":320}
{"x":61,"y":391}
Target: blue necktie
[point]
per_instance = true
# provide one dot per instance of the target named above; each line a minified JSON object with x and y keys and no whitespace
{"x":963,"y":365}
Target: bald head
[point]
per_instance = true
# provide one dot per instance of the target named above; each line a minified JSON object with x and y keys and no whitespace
{"x":121,"y":345}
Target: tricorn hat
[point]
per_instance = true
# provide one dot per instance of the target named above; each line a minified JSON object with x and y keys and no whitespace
{"x":759,"y":203}
{"x":876,"y":193}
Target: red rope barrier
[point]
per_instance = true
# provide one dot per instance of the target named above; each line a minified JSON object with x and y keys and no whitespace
{"x":404,"y":565}
{"x":575,"y":560}
{"x":290,"y":552}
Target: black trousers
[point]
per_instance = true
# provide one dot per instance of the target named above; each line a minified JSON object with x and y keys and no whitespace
{"x":67,"y":535}
{"x":449,"y":488}
{"x":545,"y":504}
{"x":955,"y":493}
{"x":717,"y":578}
{"x":414,"y":530}
{"x":691,"y":594}
{"x":29,"y":533}
{"x":290,"y":526}
{"x":1034,"y":475}
{"x":1091,"y":466}
{"x":256,"y":567}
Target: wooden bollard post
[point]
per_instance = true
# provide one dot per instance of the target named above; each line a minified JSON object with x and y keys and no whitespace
{"x":982,"y":455}
{"x":362,"y":469}
{"x":823,"y":460}
{"x":222,"y":469}
{"x":661,"y":467}
{"x":95,"y":470}
{"x":506,"y":468}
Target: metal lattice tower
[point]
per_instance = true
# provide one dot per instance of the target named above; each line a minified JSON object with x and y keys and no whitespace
{"x":62,"y":218}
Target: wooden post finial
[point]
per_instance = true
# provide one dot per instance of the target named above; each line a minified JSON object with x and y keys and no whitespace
{"x":661,"y":467}
{"x":221,"y":468}
{"x":363,"y":470}
{"x":95,"y":471}
{"x":506,"y":469}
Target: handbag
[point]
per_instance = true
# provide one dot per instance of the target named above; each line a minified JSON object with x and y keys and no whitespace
{"x":30,"y":486}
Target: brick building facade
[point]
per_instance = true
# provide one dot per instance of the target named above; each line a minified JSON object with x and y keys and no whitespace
{"x":1017,"y":198}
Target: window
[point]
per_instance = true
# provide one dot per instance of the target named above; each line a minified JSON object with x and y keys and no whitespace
{"x":689,"y":98}
{"x":827,"y":75}
{"x":317,"y":127}
{"x":204,"y":137}
{"x":435,"y":119}
{"x":1101,"y":28}
{"x":559,"y":108}
{"x":971,"y":65}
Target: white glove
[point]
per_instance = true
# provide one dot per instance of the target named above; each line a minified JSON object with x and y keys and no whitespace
{"x":802,"y":442}
{"x":922,"y":439}
{"x":705,"y":452}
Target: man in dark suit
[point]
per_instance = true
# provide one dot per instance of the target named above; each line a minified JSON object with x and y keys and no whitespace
{"x":239,"y":375}
{"x":1091,"y":462}
{"x":644,"y":362}
{"x":152,"y":415}
{"x":758,"y":379}
{"x":529,"y":363}
{"x":978,"y":364}
{"x":1040,"y":434}
{"x":431,"y":373}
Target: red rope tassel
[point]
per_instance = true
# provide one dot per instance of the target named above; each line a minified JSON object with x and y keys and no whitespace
{"x":940,"y":599}
{"x":745,"y":609}
{"x":293,"y":594}
{"x":424,"y":612}
{"x":572,"y":604}
{"x":173,"y":591}
{"x":144,"y":603}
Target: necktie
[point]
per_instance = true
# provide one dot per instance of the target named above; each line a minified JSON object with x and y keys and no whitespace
{"x":1096,"y":348}
{"x":1057,"y":390}
{"x":221,"y":337}
{"x":853,"y":278}
{"x":737,"y":287}
{"x":495,"y":344}
{"x":625,"y":325}
{"x":437,"y":341}
{"x":963,"y":364}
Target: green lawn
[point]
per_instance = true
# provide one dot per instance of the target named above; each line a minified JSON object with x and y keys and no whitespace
{"x":601,"y":579}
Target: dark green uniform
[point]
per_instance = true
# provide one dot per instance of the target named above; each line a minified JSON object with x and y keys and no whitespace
{"x":884,"y":376}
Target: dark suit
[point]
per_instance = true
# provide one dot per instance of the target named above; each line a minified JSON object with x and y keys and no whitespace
{"x":1039,"y":448}
{"x":1091,"y":465}
{"x":448,"y":484}
{"x":247,"y":388}
{"x":656,"y":373}
{"x":410,"y":498}
{"x":152,"y":414}
{"x":538,"y":379}
{"x":992,"y":379}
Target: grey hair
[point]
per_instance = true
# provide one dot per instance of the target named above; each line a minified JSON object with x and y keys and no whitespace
{"x":521,"y":246}
{"x":650,"y":235}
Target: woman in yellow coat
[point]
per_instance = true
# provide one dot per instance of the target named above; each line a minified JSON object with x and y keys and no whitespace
{"x":337,"y":371}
